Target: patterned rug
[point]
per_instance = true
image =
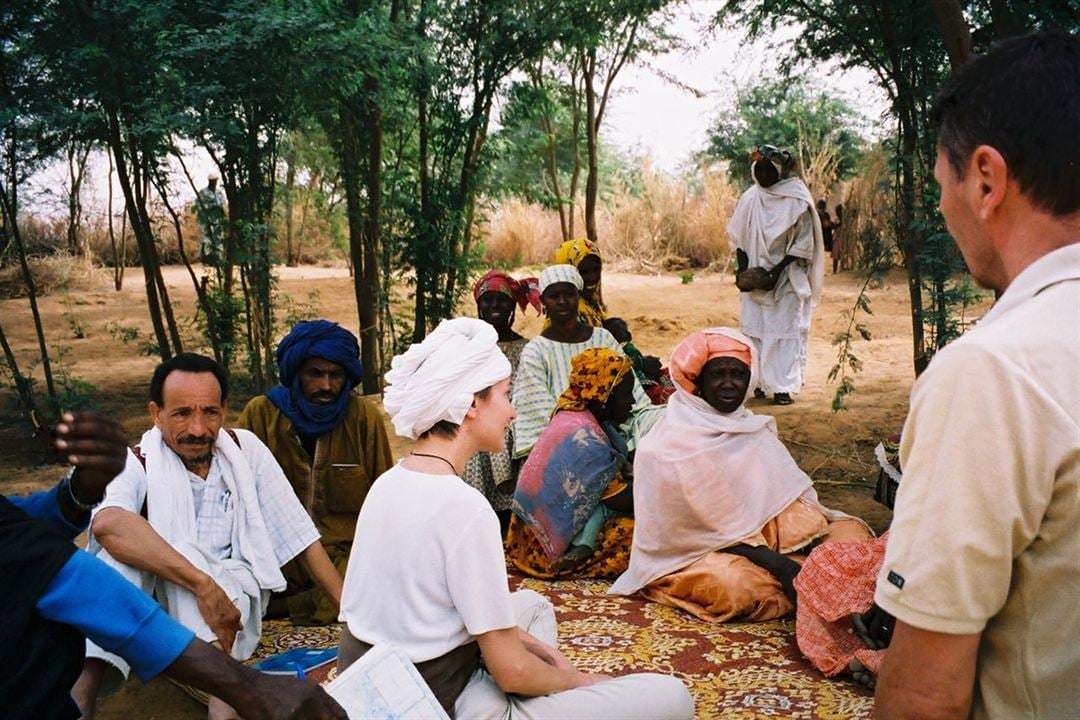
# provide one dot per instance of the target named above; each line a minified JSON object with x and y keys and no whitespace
{"x":733,"y":670}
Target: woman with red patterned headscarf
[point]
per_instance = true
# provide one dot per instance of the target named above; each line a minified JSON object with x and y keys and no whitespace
{"x":498,"y":297}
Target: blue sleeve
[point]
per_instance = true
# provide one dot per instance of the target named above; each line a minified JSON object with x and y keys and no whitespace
{"x":46,"y":506}
{"x":115,"y":614}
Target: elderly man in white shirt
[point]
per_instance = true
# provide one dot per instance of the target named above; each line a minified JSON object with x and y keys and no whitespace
{"x":202,"y":518}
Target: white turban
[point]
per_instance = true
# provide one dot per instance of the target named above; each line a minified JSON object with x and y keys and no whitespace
{"x":560,"y":274}
{"x":436,"y":379}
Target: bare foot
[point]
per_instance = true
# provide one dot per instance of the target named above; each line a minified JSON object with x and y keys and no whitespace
{"x":576,"y":555}
{"x":862,"y":675}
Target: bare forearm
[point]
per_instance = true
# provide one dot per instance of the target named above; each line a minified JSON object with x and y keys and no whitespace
{"x":262,"y":697}
{"x":130,"y":539}
{"x":521,"y":664}
{"x":318,"y":566}
{"x":926,"y":676}
{"x":782,"y":568}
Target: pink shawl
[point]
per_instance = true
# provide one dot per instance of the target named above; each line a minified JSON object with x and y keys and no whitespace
{"x":704,"y":480}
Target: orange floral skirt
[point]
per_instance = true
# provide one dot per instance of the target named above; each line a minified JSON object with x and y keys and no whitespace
{"x":610,"y":560}
{"x":722,"y":586}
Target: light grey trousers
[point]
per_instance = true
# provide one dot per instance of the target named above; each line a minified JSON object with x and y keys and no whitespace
{"x":643,"y":696}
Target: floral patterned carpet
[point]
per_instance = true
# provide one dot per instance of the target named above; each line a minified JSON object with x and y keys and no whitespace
{"x":733,"y":670}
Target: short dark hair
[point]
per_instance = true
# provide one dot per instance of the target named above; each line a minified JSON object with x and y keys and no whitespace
{"x":447,"y":429}
{"x":187,"y":362}
{"x":1023,"y":99}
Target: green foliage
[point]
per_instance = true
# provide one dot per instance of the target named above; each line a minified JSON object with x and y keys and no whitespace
{"x":296,"y":310}
{"x":790,"y":114}
{"x":132,"y":337}
{"x":72,"y":392}
{"x":76,"y":321}
{"x":687,"y":278}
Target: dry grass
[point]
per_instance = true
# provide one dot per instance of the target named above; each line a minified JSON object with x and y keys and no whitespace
{"x":868,"y":201}
{"x":670,"y":223}
{"x":50,"y":273}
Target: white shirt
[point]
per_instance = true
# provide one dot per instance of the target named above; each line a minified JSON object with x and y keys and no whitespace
{"x":427,"y":571}
{"x":291,"y":529}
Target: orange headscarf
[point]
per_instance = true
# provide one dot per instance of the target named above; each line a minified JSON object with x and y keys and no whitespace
{"x":701,"y":347}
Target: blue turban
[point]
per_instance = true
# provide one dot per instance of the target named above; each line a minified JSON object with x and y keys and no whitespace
{"x":315,"y":339}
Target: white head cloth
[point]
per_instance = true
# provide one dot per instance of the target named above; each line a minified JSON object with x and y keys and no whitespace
{"x":560,"y":274}
{"x":436,"y":379}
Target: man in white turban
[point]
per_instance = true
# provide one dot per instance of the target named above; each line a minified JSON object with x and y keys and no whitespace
{"x":428,"y":574}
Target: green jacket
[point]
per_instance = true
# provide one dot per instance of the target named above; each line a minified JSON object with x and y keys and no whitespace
{"x":332,"y":487}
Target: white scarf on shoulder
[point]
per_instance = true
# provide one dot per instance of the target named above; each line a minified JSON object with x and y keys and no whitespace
{"x":170,"y":506}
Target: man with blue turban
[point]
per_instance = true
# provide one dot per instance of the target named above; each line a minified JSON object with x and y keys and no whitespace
{"x":331,"y":443}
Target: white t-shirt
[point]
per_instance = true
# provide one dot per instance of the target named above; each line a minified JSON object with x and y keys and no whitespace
{"x":427,"y":571}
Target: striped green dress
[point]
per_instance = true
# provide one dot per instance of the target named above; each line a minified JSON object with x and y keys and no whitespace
{"x":543,"y":374}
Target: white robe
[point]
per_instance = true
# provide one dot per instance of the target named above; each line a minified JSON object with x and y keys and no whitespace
{"x":769,"y":224}
{"x":270,"y":528}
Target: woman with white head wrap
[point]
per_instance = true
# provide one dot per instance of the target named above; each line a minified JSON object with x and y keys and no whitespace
{"x":544,"y":370}
{"x":427,"y":572}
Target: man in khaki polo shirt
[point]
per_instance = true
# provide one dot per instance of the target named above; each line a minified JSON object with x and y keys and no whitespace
{"x":982,"y":569}
{"x":331,"y":444}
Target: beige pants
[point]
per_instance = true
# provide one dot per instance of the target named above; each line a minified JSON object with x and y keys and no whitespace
{"x":644,"y":696}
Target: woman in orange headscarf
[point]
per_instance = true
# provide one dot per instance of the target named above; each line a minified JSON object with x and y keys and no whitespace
{"x":722,"y":511}
{"x":576,"y":479}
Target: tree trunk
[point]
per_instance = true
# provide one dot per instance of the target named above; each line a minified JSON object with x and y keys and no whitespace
{"x":592,"y":181}
{"x":368,"y":298}
{"x":910,"y":242}
{"x":954,"y":30}
{"x":290,"y":187}
{"x":9,"y":201}
{"x":23,"y":385}
{"x":76,"y":159}
{"x":143,"y":237}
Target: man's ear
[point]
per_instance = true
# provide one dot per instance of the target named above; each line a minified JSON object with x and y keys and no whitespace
{"x":989,"y":176}
{"x":155,"y":412}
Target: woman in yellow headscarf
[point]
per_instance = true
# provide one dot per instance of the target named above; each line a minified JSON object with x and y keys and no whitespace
{"x":584,"y":254}
{"x":576,"y":479}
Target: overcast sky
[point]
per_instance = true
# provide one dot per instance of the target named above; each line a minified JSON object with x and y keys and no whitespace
{"x":647,"y":113}
{"x":650,"y":113}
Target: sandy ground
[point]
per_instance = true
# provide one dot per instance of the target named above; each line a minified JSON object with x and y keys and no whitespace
{"x":836,"y":449}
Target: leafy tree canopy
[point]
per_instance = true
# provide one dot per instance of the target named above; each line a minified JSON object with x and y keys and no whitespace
{"x":789,"y":113}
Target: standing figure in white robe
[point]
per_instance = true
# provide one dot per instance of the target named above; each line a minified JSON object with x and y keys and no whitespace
{"x":202,"y":518}
{"x":780,"y":251}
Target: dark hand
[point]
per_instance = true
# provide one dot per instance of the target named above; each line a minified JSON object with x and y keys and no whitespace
{"x":261,"y":696}
{"x":281,"y":698}
{"x":97,"y":446}
{"x":874,"y":627}
{"x":219,"y":613}
{"x":773,"y":278}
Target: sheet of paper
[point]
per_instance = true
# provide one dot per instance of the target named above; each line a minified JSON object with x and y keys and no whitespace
{"x":384,"y":684}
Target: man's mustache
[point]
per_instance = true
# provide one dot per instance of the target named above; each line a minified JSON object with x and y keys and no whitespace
{"x":195,"y":440}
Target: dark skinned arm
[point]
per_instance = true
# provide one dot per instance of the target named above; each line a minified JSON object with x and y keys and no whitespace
{"x":782,"y":568}
{"x":774,"y":274}
{"x":742,"y":261}
{"x":261,"y":696}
